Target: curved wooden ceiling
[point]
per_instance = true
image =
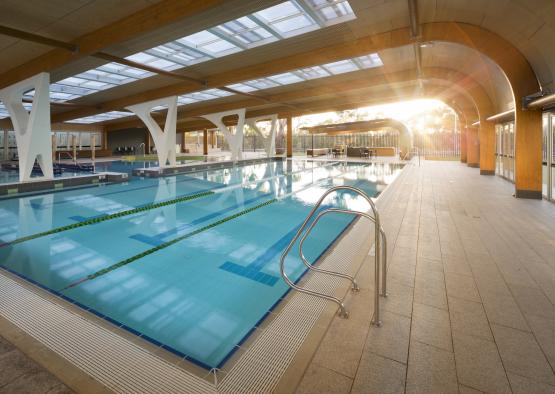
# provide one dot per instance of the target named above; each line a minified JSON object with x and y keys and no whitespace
{"x":528,"y":26}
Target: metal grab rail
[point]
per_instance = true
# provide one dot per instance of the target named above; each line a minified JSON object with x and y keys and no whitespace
{"x":378,"y":233}
{"x":353,"y":280}
{"x":66,"y":153}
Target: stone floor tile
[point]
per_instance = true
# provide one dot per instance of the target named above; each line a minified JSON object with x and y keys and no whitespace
{"x":503,"y":310}
{"x":522,"y":385}
{"x":60,"y":389}
{"x":5,"y":346}
{"x":544,"y":331}
{"x":456,"y":265}
{"x":430,"y":293}
{"x":401,"y":275}
{"x":32,"y":383}
{"x":379,"y":375}
{"x":522,"y":355}
{"x":468,"y":390}
{"x":14,"y":365}
{"x":320,"y":380}
{"x":461,"y":286}
{"x":533,"y":302}
{"x":479,"y":365}
{"x":492,"y":282}
{"x":469,"y":318}
{"x":424,"y":274}
{"x":392,"y":339}
{"x":431,"y":326}
{"x":430,"y":370}
{"x":342,"y":346}
{"x":399,"y":300}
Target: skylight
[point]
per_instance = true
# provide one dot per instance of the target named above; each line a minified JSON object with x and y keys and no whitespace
{"x":4,"y":111}
{"x":209,"y":94}
{"x":304,"y":74}
{"x":284,"y":20}
{"x":102,"y":117}
{"x":288,"y":78}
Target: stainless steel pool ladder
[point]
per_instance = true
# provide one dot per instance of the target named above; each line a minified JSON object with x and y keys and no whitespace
{"x":65,"y":153}
{"x":379,"y":241}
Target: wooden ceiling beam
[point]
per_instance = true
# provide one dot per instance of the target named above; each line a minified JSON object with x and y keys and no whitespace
{"x":195,"y":125}
{"x":144,"y":21}
{"x":511,"y":61}
{"x":381,"y":96}
{"x":334,"y":87}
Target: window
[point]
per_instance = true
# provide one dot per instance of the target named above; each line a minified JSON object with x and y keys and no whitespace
{"x":102,"y":117}
{"x":278,"y":22}
{"x":343,"y":66}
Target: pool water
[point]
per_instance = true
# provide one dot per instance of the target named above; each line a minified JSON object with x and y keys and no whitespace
{"x":10,"y":176}
{"x":195,"y":276}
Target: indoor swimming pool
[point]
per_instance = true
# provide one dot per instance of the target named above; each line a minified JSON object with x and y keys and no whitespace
{"x":187,"y":262}
{"x":123,"y":166}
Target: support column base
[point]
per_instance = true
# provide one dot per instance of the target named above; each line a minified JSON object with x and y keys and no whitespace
{"x":487,"y":172}
{"x":473,"y":165}
{"x":531,"y":194}
{"x":463,"y":160}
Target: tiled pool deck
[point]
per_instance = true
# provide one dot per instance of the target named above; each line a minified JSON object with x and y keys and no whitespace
{"x":471,"y":306}
{"x":472,"y":293}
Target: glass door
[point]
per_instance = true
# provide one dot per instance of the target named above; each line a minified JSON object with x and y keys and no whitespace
{"x":552,"y":155}
{"x":545,"y":150}
{"x":548,"y":156}
{"x":505,"y":150}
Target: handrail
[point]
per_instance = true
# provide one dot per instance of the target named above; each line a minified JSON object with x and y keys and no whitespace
{"x":378,"y":231}
{"x":142,"y":144}
{"x":67,"y":153}
{"x":353,"y":280}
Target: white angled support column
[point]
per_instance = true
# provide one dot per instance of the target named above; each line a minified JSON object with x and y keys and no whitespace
{"x":235,"y":141}
{"x":163,"y":140}
{"x":32,"y":130}
{"x":270,"y":140}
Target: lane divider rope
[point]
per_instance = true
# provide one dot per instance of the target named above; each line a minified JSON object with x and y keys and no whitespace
{"x":131,"y":212}
{"x":164,"y":245}
{"x":104,"y":218}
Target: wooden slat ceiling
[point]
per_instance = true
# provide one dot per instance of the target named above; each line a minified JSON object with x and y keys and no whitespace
{"x":60,"y":19}
{"x":528,"y":25}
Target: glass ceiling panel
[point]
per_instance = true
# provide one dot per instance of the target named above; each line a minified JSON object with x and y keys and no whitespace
{"x":102,"y":117}
{"x":284,"y":20}
{"x":303,"y":74}
{"x":359,"y":63}
{"x":4,"y":111}
{"x":209,"y":94}
{"x":341,"y":67}
{"x":330,"y":10}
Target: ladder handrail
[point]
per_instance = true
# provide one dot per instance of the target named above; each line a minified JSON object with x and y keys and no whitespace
{"x":377,"y":233}
{"x":64,"y":152}
{"x":316,"y":269}
{"x":353,"y":280}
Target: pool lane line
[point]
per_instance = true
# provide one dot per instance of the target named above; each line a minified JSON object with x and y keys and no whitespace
{"x":181,"y":238}
{"x":127,"y":190}
{"x":164,"y":245}
{"x":116,"y":215}
{"x":144,"y":208}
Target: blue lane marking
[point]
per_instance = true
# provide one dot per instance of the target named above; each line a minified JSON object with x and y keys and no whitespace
{"x":253,"y":270}
{"x":158,"y":239}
